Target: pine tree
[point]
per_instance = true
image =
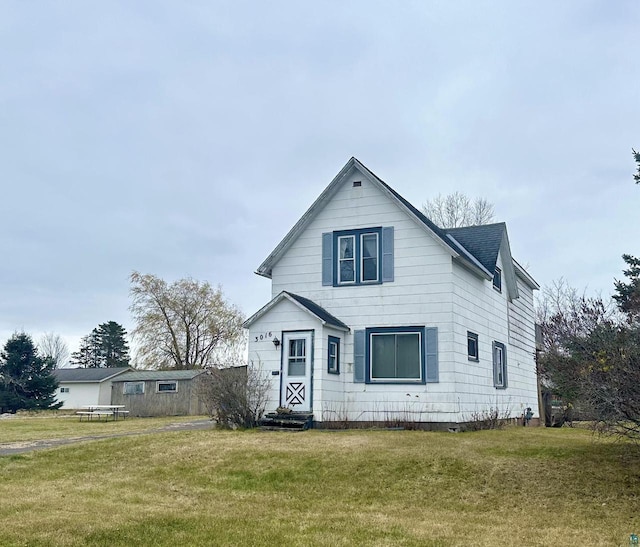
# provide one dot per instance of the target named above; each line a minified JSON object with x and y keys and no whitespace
{"x":89,"y":355}
{"x":628,"y":297}
{"x":26,"y":381}
{"x":114,"y":347}
{"x":106,"y":346}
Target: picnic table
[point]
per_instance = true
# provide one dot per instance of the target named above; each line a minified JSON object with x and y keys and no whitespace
{"x":102,"y":411}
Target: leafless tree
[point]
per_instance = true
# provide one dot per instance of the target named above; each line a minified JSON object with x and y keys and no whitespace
{"x":234,"y":396}
{"x":181,"y":325}
{"x":457,"y":209}
{"x":52,"y":346}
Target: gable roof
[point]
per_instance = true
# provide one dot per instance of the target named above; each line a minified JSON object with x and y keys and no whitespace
{"x":90,"y":375}
{"x":304,"y":304}
{"x":475,"y":247}
{"x":451,"y":245}
{"x":143,"y":375}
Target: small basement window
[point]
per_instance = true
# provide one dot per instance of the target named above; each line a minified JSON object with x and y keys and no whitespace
{"x":166,"y":387}
{"x":472,"y":346}
{"x":64,"y":390}
{"x":133,"y":388}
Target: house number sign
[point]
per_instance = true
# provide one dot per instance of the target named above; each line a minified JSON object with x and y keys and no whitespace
{"x":268,"y":335}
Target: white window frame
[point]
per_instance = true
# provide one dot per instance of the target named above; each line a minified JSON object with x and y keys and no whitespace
{"x":333,"y":343}
{"x":352,"y":260}
{"x":387,"y":380}
{"x":499,"y":365}
{"x":376,"y":257}
{"x":64,"y":390}
{"x":127,"y":384}
{"x":159,"y":382}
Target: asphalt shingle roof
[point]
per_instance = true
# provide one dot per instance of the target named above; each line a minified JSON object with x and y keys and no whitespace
{"x":482,"y":241}
{"x":87,"y":374}
{"x":318,"y":311}
{"x":142,"y":375}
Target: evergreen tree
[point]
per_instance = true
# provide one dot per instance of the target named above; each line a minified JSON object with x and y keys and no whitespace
{"x":89,"y":355}
{"x":628,"y":294}
{"x":114,"y":347}
{"x":106,"y":346}
{"x":26,"y":381}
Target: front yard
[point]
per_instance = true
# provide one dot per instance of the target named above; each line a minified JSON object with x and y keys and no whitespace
{"x":521,"y":486}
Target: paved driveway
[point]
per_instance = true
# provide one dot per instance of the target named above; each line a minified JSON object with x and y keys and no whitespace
{"x":8,"y":449}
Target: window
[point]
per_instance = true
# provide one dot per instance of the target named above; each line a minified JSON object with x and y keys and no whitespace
{"x":297,"y":359}
{"x":472,"y":346}
{"x":166,"y":387}
{"x":358,"y":256}
{"x":333,"y":355}
{"x":395,"y":354}
{"x":64,"y":390}
{"x":133,"y":388}
{"x":499,"y":365}
{"x":497,"y":280}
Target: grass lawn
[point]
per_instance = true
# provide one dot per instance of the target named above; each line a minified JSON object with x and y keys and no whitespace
{"x":521,"y":486}
{"x":25,"y":428}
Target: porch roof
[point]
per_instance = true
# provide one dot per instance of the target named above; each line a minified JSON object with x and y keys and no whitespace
{"x":303,"y":303}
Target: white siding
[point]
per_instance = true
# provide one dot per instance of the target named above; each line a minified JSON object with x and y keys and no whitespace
{"x":428,"y":290}
{"x":265,"y":357}
{"x":82,"y":394}
{"x":481,"y":309}
{"x":420,"y":295}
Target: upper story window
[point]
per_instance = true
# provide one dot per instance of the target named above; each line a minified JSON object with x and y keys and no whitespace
{"x":497,"y":279}
{"x":358,"y":258}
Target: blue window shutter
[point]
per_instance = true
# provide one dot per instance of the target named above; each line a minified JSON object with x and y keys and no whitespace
{"x":358,"y":356}
{"x":327,"y":259}
{"x":387,"y":254}
{"x":431,"y":354}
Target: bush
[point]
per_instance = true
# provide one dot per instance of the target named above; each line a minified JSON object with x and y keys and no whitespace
{"x":234,"y":396}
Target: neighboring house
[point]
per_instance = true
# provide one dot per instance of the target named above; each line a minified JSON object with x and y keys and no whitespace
{"x":86,"y":386}
{"x":159,"y":393}
{"x":378,"y":315}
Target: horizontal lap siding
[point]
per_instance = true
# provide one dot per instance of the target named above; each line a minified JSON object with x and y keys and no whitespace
{"x":479,"y":308}
{"x":264,"y":356}
{"x":421,"y":294}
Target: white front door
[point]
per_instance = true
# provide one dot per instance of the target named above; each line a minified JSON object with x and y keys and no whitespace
{"x":296,"y":371}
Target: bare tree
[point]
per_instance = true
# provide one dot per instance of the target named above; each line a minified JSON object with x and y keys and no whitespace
{"x":181,"y":325}
{"x":457,"y":209}
{"x":234,"y":396}
{"x":52,"y":346}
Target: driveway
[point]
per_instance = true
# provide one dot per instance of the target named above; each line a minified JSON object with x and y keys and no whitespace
{"x":9,"y":449}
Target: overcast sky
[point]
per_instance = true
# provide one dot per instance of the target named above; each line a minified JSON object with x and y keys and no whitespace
{"x":186,"y":138}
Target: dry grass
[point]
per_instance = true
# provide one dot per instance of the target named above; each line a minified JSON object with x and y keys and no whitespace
{"x":31,"y":427}
{"x":521,"y":486}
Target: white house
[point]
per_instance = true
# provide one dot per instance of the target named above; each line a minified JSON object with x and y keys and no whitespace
{"x":86,"y":386}
{"x":379,"y":315}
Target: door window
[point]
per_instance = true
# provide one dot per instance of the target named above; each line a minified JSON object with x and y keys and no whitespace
{"x":297,"y":357}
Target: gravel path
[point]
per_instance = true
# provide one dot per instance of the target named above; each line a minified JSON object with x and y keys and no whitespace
{"x":9,"y":449}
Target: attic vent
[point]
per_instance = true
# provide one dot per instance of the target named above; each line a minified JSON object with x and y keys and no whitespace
{"x":357,"y":183}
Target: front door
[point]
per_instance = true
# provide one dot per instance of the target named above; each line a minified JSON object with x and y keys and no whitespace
{"x":296,"y":371}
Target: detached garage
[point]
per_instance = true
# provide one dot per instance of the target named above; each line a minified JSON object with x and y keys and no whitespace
{"x":80,"y":387}
{"x":159,"y":392}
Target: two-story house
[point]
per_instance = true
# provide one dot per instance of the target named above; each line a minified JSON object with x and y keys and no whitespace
{"x":377,"y":314}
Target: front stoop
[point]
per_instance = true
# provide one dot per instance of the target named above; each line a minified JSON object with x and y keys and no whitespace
{"x":291,"y":421}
